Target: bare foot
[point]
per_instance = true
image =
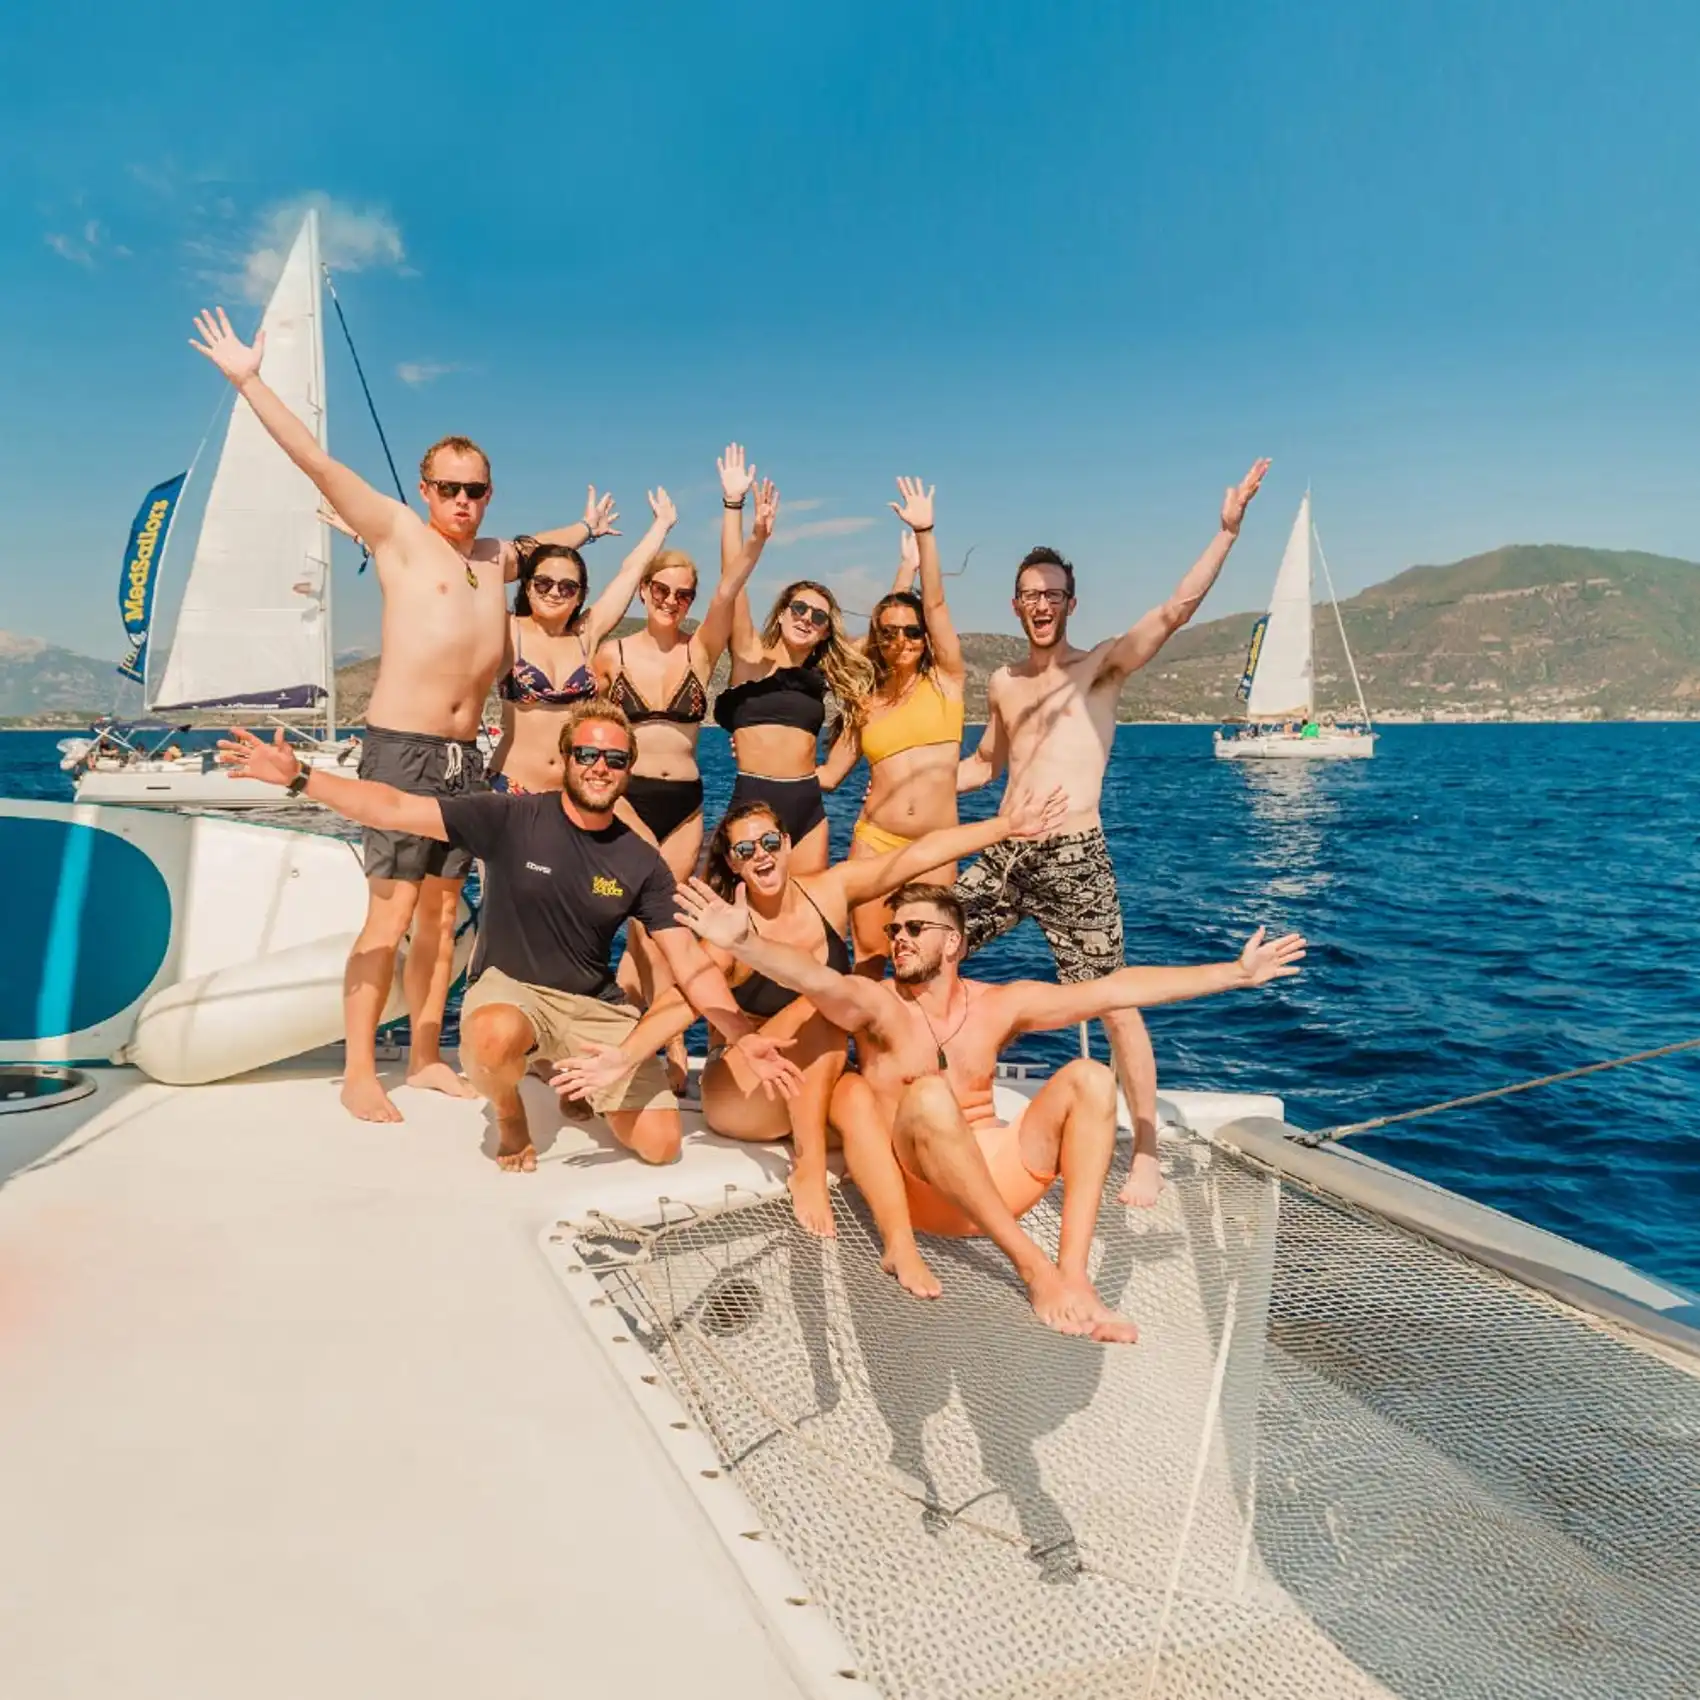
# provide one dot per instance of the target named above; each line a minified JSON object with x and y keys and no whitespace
{"x":811,"y":1202}
{"x":678,"y":1066}
{"x":1109,"y":1326}
{"x":911,"y":1270}
{"x":514,"y":1152}
{"x":1144,"y":1184}
{"x":367,"y":1101}
{"x":439,"y":1077}
{"x":1061,"y":1304}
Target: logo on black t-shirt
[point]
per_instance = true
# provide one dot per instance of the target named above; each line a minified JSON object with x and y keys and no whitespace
{"x":602,"y":886}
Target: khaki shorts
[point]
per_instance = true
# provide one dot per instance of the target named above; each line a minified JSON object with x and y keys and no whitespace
{"x":561,"y":1022}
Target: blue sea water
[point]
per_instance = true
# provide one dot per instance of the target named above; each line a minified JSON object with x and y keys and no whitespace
{"x":1483,"y":904}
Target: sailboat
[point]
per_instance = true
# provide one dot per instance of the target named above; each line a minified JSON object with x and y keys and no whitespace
{"x":1278,"y":685}
{"x":254,"y":630}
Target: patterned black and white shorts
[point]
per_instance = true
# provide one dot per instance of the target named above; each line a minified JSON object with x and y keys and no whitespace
{"x":1067,"y":884}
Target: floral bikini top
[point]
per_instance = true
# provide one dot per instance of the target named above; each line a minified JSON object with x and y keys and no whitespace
{"x":526,"y":682}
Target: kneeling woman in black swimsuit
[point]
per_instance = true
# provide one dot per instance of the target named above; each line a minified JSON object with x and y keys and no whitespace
{"x":751,"y":854}
{"x":776,"y":703}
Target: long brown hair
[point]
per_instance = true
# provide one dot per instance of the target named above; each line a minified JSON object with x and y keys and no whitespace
{"x":849,"y":673}
{"x":717,"y":859}
{"x":876,"y":650}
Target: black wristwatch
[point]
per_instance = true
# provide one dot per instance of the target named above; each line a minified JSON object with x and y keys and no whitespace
{"x":298,"y":784}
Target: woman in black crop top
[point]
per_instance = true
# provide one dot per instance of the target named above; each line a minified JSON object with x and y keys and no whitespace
{"x":775,"y":705}
{"x":751,"y":860}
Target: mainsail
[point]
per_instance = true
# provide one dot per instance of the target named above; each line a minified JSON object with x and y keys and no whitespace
{"x":1281,"y":682}
{"x":254,"y":626}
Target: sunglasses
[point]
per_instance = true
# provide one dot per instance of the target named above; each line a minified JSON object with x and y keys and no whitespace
{"x":1042,"y":598}
{"x":914,"y":929}
{"x":745,"y":848}
{"x":909,"y":634}
{"x":819,"y":618}
{"x":448,"y":488}
{"x":540,"y":584}
{"x":662,"y":596}
{"x":588,"y":755}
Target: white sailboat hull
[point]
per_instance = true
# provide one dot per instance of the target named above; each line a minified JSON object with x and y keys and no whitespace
{"x":1289,"y":746}
{"x":188,"y":784}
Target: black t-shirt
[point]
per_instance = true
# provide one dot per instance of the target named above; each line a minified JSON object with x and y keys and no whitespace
{"x":556,"y":894}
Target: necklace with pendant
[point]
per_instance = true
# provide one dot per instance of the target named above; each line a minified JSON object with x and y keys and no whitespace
{"x":932,"y":1033}
{"x":471,"y":576}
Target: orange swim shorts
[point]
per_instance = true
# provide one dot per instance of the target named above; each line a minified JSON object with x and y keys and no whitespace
{"x":930,"y":1212}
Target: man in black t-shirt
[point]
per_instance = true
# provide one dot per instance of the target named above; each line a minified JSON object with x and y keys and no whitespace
{"x":561,"y":876}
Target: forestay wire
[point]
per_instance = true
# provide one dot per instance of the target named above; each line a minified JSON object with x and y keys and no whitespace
{"x":1325,"y":1135}
{"x":371,"y":406}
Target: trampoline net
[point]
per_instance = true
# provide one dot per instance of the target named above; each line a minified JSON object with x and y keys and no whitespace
{"x":1341,"y":1461}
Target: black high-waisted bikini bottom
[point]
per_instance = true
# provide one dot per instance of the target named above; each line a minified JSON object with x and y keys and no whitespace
{"x":796,"y":801}
{"x":664,"y":805}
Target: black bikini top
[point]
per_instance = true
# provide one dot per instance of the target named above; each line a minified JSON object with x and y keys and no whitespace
{"x":788,"y":696}
{"x":688,"y":705}
{"x":526,"y":682}
{"x":762,"y":997}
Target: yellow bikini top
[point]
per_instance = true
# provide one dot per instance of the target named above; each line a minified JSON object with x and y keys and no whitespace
{"x":926,"y":716}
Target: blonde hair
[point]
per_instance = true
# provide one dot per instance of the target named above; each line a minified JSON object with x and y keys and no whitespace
{"x":849,"y":673}
{"x":600,"y":708}
{"x":666,"y":559}
{"x":461,"y":446}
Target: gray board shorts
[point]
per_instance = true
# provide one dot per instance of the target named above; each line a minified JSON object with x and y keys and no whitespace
{"x":423,"y":766}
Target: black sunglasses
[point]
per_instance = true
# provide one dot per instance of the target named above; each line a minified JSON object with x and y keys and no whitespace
{"x":890,"y":633}
{"x":588,"y":755}
{"x":448,"y":488}
{"x":662,"y":594}
{"x":745,"y":848}
{"x":801,"y":610}
{"x":543,"y":585}
{"x":915,"y":928}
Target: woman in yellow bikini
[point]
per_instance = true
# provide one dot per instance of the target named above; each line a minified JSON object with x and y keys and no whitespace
{"x":911,"y":732}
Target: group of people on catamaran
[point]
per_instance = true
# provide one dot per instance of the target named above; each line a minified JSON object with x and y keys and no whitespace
{"x":590,"y":820}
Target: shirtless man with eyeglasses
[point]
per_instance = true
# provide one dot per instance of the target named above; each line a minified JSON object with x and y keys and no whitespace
{"x":1051,"y":720}
{"x":443,"y":642}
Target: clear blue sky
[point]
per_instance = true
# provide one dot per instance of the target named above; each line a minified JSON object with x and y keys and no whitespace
{"x":1077,"y":264}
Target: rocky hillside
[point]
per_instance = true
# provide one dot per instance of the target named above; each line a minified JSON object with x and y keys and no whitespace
{"x":38,"y":679}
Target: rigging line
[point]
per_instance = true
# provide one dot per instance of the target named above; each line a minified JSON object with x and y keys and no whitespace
{"x":1327,"y":1134}
{"x":1340,"y":621}
{"x":371,"y":406}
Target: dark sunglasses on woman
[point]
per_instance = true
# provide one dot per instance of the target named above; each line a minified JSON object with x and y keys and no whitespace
{"x":801,"y":610}
{"x":588,"y":755}
{"x":745,"y":848}
{"x":662,"y":596}
{"x":540,"y":584}
{"x":448,"y":488}
{"x":910,"y":634}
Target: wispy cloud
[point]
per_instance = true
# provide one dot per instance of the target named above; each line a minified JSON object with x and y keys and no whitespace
{"x":81,"y":248}
{"x":351,"y":239}
{"x":805,"y":505}
{"x":847,"y":526}
{"x":417,"y":373}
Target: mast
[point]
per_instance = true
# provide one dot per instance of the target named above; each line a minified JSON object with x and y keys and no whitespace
{"x":1334,"y":603}
{"x":317,"y":271}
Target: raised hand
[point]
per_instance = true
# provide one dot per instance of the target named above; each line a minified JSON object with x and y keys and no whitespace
{"x":1274,"y":959}
{"x":661,"y":505}
{"x":735,"y":477}
{"x":600,"y":1067}
{"x":779,"y":1077}
{"x":237,"y":360}
{"x":700,"y":907}
{"x":1237,"y":498}
{"x":916,"y":508}
{"x":599,"y":514}
{"x":767,"y":509}
{"x":337,"y":523}
{"x":1031,"y":816}
{"x":249,"y":757}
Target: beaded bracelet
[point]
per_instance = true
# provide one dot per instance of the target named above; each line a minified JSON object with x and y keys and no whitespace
{"x":738,"y":505}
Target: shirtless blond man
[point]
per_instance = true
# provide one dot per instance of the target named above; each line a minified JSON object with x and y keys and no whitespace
{"x":1051,"y":721}
{"x":921,"y":1135}
{"x":443,"y":640}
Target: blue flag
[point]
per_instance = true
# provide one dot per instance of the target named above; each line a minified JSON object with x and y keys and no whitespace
{"x":141,"y":570}
{"x":1257,"y":631}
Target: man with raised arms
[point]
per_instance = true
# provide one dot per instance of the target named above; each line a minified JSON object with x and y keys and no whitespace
{"x":921,"y":1134}
{"x":1051,"y":720}
{"x":444,"y":636}
{"x":561,"y":876}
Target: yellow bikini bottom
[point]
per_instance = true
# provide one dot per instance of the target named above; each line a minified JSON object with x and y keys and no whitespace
{"x":877,"y":838}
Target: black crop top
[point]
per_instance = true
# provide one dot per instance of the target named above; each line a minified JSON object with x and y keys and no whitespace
{"x":762,"y":997}
{"x":788,"y":696}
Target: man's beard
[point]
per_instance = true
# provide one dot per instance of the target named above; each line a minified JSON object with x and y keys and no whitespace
{"x":1050,"y":640}
{"x":576,"y":790}
{"x":916,"y":974}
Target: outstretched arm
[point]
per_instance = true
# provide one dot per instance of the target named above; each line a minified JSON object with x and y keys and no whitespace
{"x":735,"y":480}
{"x":908,"y":563}
{"x":1126,"y":654}
{"x":916,"y":512}
{"x":871,"y":877}
{"x":599,"y":519}
{"x":846,"y":1000}
{"x":992,"y":756}
{"x":730,"y":594}
{"x":1035,"y":1006}
{"x":366,"y":513}
{"x":610,"y":607}
{"x":361,"y":800}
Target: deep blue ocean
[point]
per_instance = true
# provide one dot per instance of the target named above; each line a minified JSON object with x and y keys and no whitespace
{"x":1483,"y":904}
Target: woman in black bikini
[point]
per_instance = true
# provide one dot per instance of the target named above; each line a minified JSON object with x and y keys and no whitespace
{"x":552,"y":636}
{"x":776,"y":703}
{"x":751,"y":861}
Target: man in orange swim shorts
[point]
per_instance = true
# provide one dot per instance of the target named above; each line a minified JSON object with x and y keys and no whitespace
{"x":921,"y":1135}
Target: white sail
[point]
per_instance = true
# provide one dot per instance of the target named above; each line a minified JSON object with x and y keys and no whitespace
{"x":254,"y":624}
{"x":1281,"y":684}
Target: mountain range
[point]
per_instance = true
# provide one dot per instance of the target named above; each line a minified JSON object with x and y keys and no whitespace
{"x":1530,"y":631}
